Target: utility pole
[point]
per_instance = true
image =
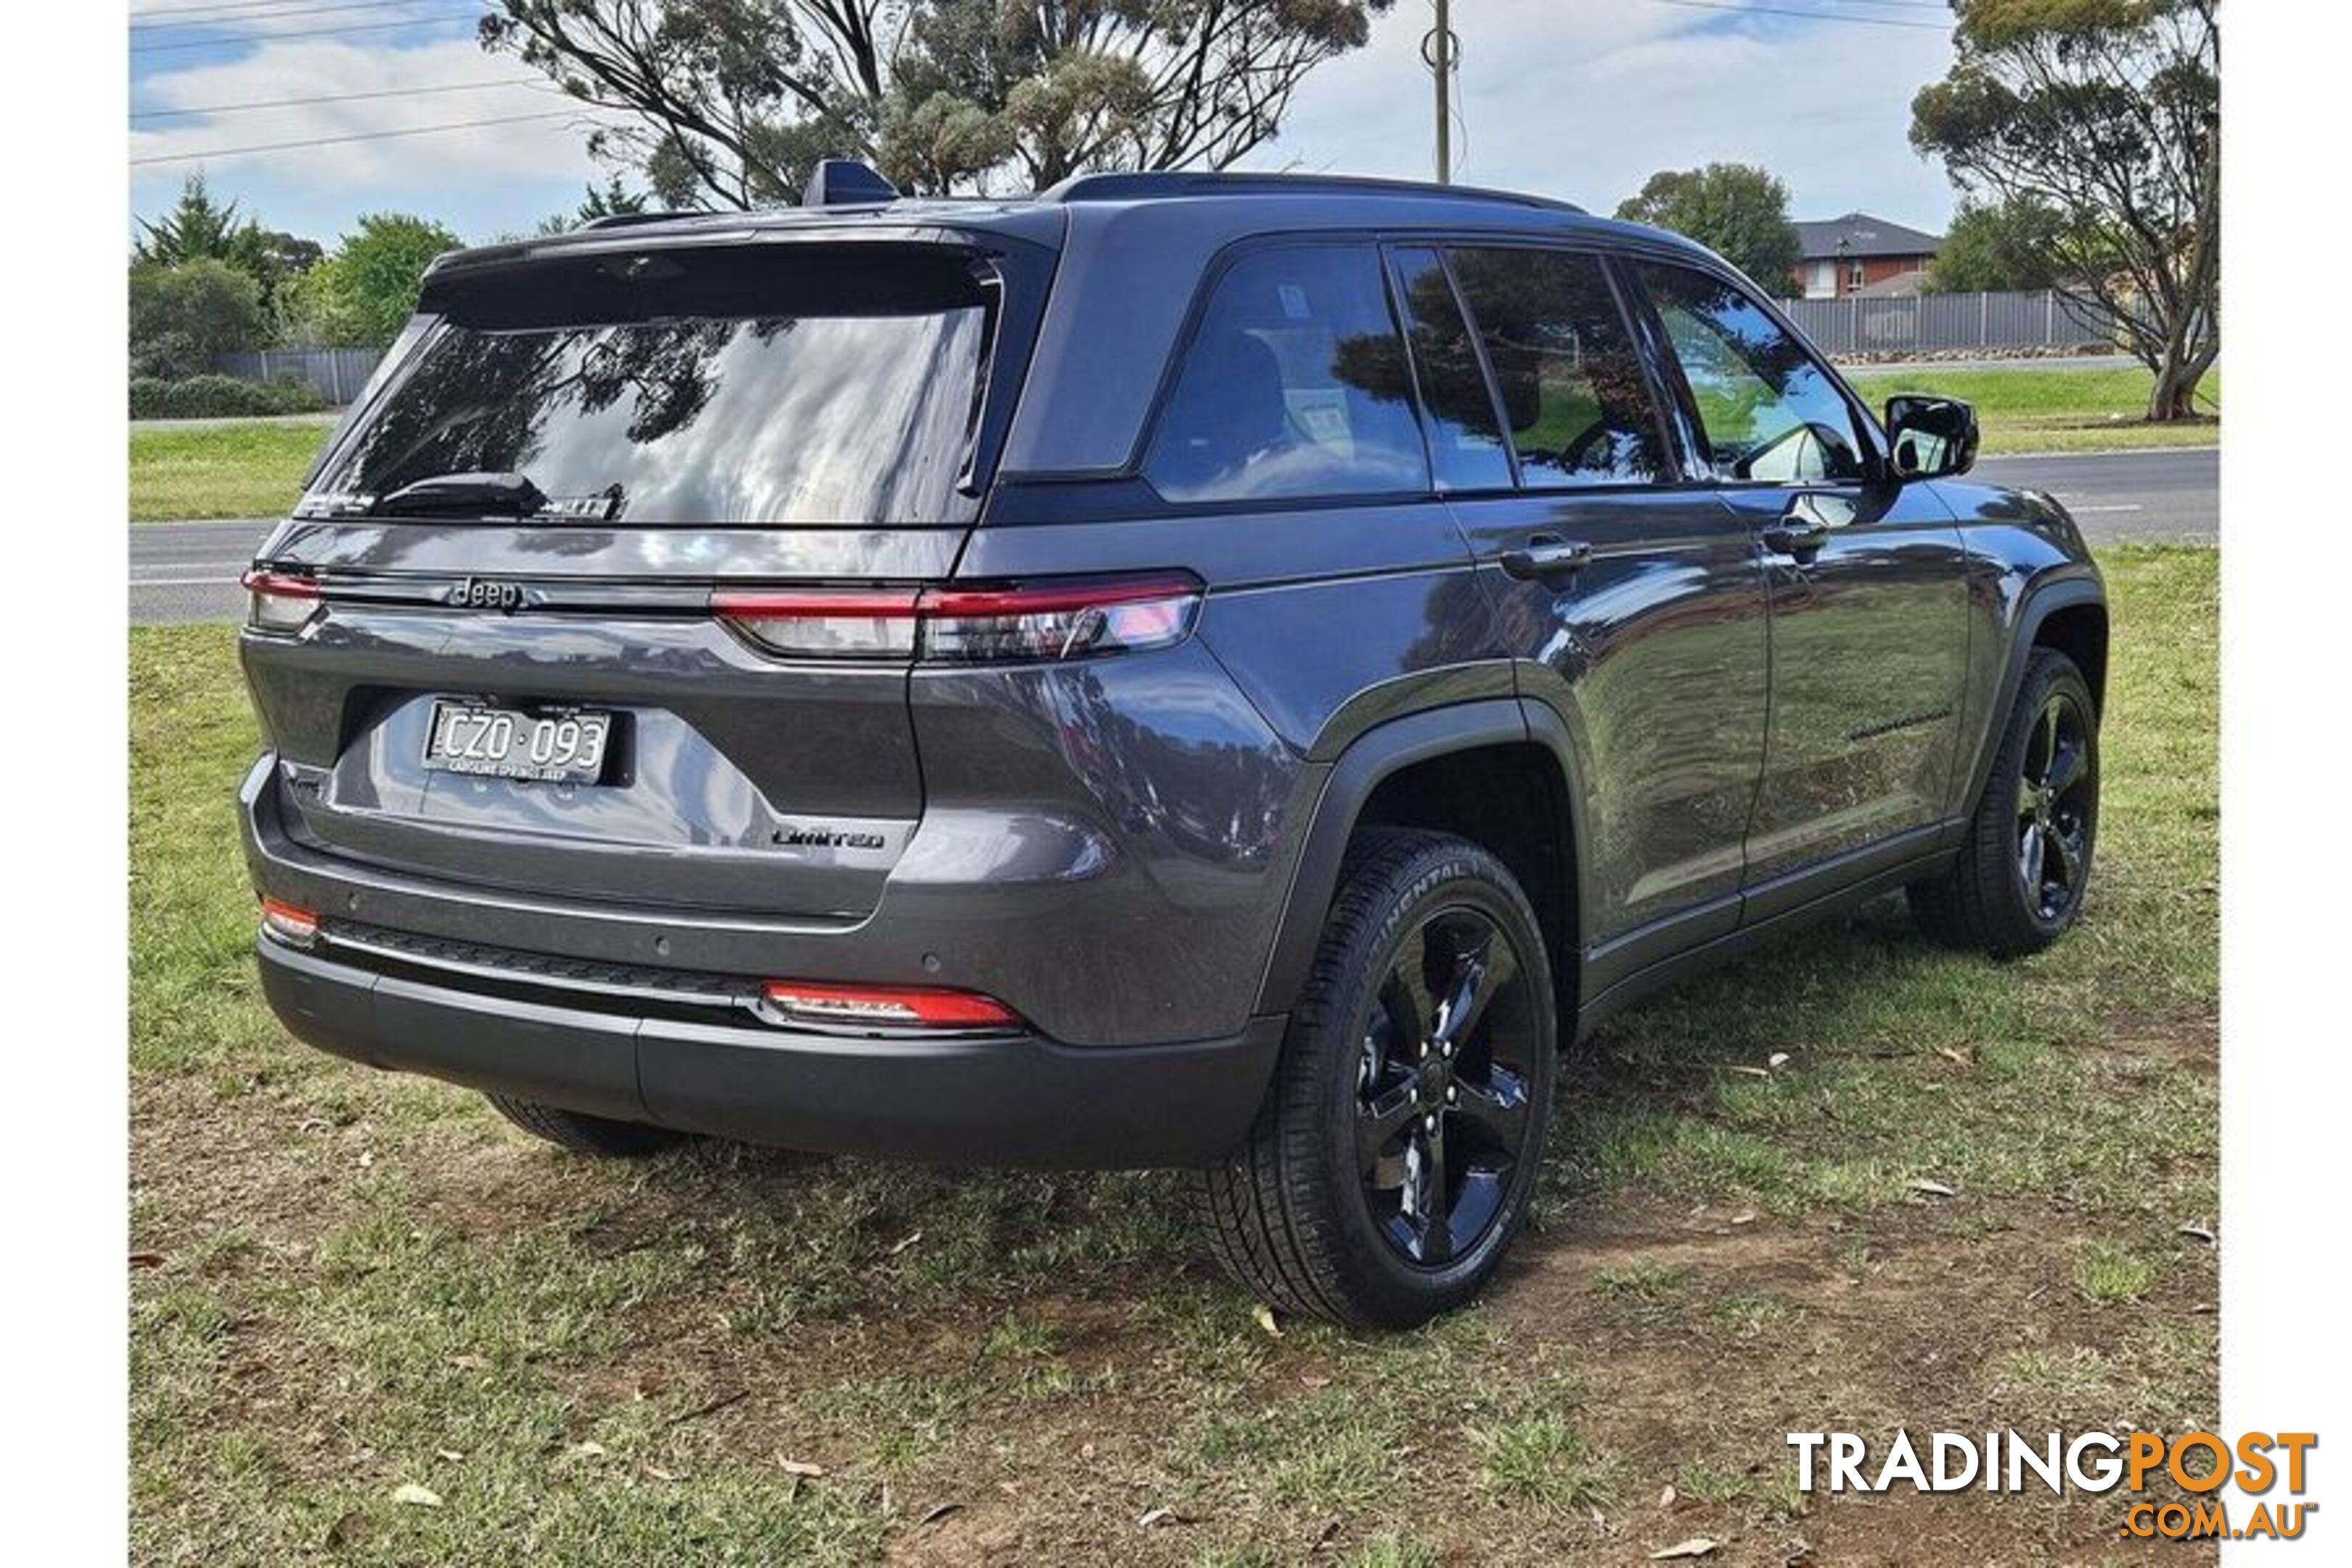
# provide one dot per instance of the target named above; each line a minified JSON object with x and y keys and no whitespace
{"x":1437,"y":51}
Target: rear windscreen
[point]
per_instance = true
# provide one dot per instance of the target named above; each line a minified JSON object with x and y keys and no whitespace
{"x":831,"y":385}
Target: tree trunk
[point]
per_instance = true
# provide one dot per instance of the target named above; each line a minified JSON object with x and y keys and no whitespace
{"x":2175,"y":396}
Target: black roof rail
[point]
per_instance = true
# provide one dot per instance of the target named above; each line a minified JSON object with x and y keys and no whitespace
{"x":1162,"y":185}
{"x":630,"y":220}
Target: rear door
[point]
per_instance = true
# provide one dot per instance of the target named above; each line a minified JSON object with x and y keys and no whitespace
{"x":1867,"y":583}
{"x":674,"y":500}
{"x":1633,"y":603}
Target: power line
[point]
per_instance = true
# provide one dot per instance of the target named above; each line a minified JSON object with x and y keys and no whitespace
{"x":268,"y":17}
{"x":356,"y":136}
{"x":1807,"y":16}
{"x":333,"y":98}
{"x":243,"y":38}
{"x":210,"y":7}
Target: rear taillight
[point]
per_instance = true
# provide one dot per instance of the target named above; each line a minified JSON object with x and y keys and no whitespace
{"x":1059,"y":620}
{"x":1022,"y":620}
{"x":820,"y":623}
{"x":295,"y":927}
{"x":281,"y":602}
{"x":889,"y":1007}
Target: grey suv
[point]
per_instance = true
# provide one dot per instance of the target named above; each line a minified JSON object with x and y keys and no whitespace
{"x":1210,"y":671}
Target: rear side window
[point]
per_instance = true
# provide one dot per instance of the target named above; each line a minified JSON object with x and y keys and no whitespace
{"x":743,"y":387}
{"x":1295,"y":386}
{"x":1769,"y":410}
{"x":1571,"y":387}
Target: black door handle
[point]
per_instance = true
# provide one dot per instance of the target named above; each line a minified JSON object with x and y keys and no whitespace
{"x":1801,"y":533}
{"x":1546,"y":556}
{"x":1801,"y":540}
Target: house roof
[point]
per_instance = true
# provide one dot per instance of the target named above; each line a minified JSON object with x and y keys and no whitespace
{"x":1864,"y":236}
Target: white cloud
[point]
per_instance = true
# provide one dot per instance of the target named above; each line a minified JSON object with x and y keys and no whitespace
{"x":1582,"y":99}
{"x":1585,"y":99}
{"x":483,"y":179}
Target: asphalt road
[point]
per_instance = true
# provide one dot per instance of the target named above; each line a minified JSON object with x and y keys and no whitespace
{"x":188,"y":571}
{"x":2173,"y":497}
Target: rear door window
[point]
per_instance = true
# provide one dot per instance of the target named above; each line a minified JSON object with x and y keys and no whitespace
{"x":1295,"y":384}
{"x":1570,"y":384}
{"x":1767,"y":409}
{"x":1465,"y":439}
{"x":746,"y":387}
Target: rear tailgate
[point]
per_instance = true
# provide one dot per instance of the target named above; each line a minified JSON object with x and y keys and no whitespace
{"x":696,"y":422}
{"x":733,"y":780}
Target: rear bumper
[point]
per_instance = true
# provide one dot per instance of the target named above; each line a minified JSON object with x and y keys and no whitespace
{"x":994,"y":1099}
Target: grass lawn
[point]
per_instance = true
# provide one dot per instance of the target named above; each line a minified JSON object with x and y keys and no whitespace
{"x":242,"y":469}
{"x":345,"y":1283}
{"x":2054,"y":410}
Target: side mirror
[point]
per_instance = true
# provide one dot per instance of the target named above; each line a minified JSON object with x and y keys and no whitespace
{"x":1932,"y":437}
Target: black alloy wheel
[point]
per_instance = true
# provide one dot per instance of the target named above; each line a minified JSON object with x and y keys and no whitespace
{"x":2057,"y":799}
{"x":1403,"y":1135}
{"x":1442,"y":1094}
{"x":2017,"y":880}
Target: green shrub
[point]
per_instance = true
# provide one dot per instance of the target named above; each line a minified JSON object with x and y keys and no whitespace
{"x":211,"y":396}
{"x":181,"y":316}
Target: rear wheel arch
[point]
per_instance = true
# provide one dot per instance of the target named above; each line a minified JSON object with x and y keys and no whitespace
{"x":1497,"y":773}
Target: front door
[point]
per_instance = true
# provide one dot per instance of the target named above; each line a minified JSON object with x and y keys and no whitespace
{"x":1867,"y":582}
{"x":1632,"y":603}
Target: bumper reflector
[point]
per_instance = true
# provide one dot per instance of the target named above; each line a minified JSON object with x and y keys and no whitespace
{"x":295,"y":927}
{"x":895,"y":1006}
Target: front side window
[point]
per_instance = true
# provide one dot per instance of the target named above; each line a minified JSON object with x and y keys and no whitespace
{"x":1295,"y":386}
{"x":1767,"y":409}
{"x":1572,"y":388}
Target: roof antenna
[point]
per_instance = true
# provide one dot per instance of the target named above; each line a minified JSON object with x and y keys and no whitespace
{"x":846,"y":182}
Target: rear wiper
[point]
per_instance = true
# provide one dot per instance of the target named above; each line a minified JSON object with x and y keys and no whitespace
{"x":466,"y":494}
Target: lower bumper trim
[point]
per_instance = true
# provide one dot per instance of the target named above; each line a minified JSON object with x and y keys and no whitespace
{"x":999,"y":1099}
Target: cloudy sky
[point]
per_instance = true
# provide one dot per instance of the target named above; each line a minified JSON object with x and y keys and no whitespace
{"x":1580,"y":99}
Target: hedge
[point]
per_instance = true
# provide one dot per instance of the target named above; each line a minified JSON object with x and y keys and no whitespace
{"x":221,"y":397}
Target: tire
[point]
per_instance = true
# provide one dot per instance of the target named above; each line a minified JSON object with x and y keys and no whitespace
{"x":1984,"y":901}
{"x":1316,"y":1211}
{"x":583,"y":1133}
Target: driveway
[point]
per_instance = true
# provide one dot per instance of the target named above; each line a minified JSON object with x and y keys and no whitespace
{"x":188,"y":571}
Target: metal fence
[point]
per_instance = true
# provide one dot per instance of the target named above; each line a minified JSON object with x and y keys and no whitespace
{"x":338,"y":374}
{"x":1946,"y":323}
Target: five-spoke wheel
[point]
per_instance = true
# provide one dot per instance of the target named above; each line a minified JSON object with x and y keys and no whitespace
{"x":1404,"y":1131}
{"x":2019,"y":877}
{"x":2055,"y":798}
{"x":1442,"y":1086}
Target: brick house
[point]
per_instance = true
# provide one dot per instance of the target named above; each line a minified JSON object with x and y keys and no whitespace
{"x":1858,"y":253}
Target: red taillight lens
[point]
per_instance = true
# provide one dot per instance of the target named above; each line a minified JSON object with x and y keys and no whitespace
{"x":295,"y":927}
{"x":1048,"y":620}
{"x":281,"y":602}
{"x":895,"y":1006}
{"x":1059,"y":620}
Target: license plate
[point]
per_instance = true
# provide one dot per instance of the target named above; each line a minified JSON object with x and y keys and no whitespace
{"x":565,"y":747}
